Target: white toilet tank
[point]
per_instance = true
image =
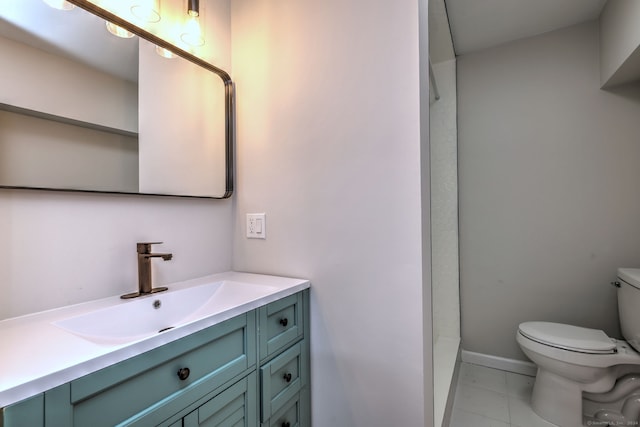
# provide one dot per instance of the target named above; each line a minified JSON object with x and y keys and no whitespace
{"x":629,"y":305}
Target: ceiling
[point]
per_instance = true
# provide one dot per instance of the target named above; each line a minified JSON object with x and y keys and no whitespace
{"x":479,"y":24}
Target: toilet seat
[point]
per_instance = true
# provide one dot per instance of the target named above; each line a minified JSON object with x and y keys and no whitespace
{"x":568,"y":337}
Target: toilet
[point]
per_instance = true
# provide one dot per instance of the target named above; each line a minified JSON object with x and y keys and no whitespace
{"x":572,"y":360}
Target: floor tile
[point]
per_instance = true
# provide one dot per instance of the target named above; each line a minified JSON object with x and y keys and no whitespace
{"x":520,"y":386}
{"x":487,"y":397}
{"x":482,"y":401}
{"x":461,"y":418}
{"x":521,"y":414}
{"x":480,"y":376}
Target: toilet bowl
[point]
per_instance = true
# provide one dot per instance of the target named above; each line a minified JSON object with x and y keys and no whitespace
{"x":572,"y":360}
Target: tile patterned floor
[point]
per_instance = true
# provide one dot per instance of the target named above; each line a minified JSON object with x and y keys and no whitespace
{"x":488,"y":397}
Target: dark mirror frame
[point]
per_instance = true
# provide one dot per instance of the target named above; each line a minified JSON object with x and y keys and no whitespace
{"x":229,"y":100}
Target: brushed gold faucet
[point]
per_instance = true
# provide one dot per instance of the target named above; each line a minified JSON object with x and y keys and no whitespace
{"x":144,"y":270}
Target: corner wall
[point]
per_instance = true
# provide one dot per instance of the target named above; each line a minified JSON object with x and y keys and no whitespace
{"x":549,"y":172}
{"x":329,"y":147}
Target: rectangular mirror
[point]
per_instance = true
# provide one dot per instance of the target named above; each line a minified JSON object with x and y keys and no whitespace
{"x":84,"y":110}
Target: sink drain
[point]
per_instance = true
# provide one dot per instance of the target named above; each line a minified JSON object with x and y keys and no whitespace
{"x":165,"y":329}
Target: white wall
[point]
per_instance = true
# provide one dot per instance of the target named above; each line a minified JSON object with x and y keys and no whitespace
{"x":63,"y":248}
{"x":329,"y":147}
{"x":549,"y":173}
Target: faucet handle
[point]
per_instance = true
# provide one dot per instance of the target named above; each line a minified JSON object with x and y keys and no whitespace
{"x":145,"y":247}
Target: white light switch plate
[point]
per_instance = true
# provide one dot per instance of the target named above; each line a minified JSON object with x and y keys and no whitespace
{"x":256,"y":226}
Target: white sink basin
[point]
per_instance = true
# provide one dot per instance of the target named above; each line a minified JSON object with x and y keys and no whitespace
{"x":131,"y":320}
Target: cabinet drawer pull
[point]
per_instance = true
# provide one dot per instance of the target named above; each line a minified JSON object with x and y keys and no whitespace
{"x":284,"y":322}
{"x":287,"y":377}
{"x":286,"y":424}
{"x":183,"y":373}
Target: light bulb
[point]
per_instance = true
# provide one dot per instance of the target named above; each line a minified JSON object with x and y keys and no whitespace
{"x":192,"y":34}
{"x":118,"y":31}
{"x":165,"y":53}
{"x":60,"y":4}
{"x":146,"y":10}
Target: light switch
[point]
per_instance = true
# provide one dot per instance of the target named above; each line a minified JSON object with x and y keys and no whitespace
{"x":256,"y":226}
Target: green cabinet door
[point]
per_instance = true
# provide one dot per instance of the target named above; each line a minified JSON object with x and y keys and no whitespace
{"x":234,"y":407}
{"x":280,"y":325}
{"x":282,"y":379}
{"x":292,"y":414}
{"x":27,"y":413}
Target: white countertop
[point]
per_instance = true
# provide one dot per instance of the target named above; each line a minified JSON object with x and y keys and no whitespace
{"x":37,"y":355}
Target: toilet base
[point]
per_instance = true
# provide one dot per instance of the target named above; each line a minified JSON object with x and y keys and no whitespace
{"x":619,"y":406}
{"x":557,"y":400}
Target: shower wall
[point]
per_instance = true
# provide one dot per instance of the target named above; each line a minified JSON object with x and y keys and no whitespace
{"x":444,"y":237}
{"x":444,"y":204}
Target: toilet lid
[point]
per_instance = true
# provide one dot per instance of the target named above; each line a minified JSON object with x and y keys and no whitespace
{"x":568,"y":337}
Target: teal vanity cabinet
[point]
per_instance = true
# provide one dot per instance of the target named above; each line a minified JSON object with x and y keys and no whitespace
{"x":26,"y":413}
{"x":284,"y":362}
{"x":251,"y":370}
{"x":150,"y":388}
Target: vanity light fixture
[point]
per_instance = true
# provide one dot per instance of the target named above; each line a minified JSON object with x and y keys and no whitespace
{"x":146,"y":10}
{"x":118,"y":31}
{"x":193,"y":34}
{"x":60,"y":4}
{"x":193,"y":7}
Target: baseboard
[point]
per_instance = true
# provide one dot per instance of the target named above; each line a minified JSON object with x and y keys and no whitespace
{"x":502,"y":363}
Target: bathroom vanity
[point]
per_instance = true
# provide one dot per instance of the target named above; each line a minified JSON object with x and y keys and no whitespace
{"x":238,"y":358}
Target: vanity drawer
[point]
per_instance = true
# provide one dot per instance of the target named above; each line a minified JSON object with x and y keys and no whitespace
{"x":148,"y":388}
{"x":280,"y":324}
{"x":281,"y":379}
{"x":290,"y":415}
